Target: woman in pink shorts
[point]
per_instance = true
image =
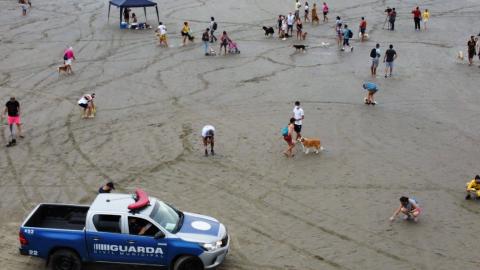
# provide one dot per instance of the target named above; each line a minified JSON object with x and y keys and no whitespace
{"x":12,"y":109}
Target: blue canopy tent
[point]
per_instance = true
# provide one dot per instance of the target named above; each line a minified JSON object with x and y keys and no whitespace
{"x":122,"y":4}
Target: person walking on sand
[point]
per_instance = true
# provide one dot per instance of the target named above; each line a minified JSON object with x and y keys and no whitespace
{"x":290,"y":21}
{"x":213,"y":28}
{"x":425,"y":18}
{"x":208,"y":137}
{"x":299,"y":26}
{"x":299,"y":115}
{"x":375,"y":55}
{"x":391,"y":18}
{"x":473,"y":188}
{"x":388,"y":58}
{"x":68,"y":57}
{"x":162,"y":34}
{"x":12,"y":110}
{"x":371,"y":89}
{"x":409,"y":207}
{"x":347,"y":35}
{"x":24,"y":6}
{"x":287,"y":136}
{"x":186,"y":33}
{"x":363,"y":29}
{"x":472,"y":49}
{"x":339,"y":35}
{"x":307,"y":11}
{"x":315,"y":17}
{"x":325,"y":12}
{"x":206,"y":40}
{"x":107,"y":188}
{"x":417,"y":17}
{"x":297,"y":9}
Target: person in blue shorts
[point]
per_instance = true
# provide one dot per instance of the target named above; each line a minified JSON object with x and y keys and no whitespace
{"x":371,"y":88}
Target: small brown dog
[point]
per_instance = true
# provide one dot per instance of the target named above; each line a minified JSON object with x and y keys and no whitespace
{"x":311,"y":143}
{"x":65,"y":68}
{"x":304,"y":35}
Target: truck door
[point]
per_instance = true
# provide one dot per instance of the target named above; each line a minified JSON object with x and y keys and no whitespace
{"x":145,"y":247}
{"x":105,"y":241}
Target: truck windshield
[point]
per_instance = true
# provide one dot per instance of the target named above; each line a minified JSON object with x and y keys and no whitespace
{"x":166,"y":216}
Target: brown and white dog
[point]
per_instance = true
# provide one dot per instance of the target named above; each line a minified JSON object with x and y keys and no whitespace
{"x":65,"y":68}
{"x":311,"y":143}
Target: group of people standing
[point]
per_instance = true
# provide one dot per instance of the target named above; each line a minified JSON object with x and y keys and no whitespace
{"x":285,"y":24}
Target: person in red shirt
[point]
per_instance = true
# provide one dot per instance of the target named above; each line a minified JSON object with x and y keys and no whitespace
{"x":417,"y":17}
{"x":363,"y":28}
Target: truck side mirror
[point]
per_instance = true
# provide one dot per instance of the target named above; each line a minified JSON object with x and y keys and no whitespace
{"x":159,"y":235}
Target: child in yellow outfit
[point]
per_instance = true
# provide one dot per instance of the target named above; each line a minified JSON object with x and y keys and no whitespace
{"x":425,"y":18}
{"x":473,"y":188}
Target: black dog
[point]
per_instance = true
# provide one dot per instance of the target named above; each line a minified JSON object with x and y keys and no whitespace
{"x":268,"y":31}
{"x":300,"y":47}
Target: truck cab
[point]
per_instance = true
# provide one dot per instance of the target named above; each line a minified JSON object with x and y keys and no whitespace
{"x":118,"y":228}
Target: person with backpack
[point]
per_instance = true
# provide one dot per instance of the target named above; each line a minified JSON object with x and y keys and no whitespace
{"x":347,"y":35}
{"x":206,"y":39}
{"x":375,"y":55}
{"x":392,"y":16}
{"x":287,"y":136}
{"x":213,"y":28}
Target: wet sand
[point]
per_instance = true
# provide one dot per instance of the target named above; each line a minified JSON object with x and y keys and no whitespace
{"x":326,"y":211}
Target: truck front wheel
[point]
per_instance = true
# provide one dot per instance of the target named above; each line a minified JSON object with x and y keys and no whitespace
{"x":64,"y":259}
{"x":188,"y":263}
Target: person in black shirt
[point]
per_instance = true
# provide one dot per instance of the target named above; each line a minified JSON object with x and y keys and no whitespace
{"x":390,"y":56}
{"x":391,"y":18}
{"x":472,"y":46}
{"x":107,"y":188}
{"x":12,"y":109}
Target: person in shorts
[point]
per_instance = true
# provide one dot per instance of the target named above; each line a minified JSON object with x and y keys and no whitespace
{"x":325,"y":12}
{"x":297,"y":9}
{"x":86,"y":102}
{"x":371,"y":88}
{"x":307,"y":11}
{"x":208,"y":137}
{"x":162,"y":34}
{"x":347,"y":33}
{"x":388,"y":58}
{"x":363,"y":28}
{"x":288,"y":138}
{"x":12,"y":110}
{"x":409,"y":207}
{"x":375,"y":60}
{"x":298,"y":115}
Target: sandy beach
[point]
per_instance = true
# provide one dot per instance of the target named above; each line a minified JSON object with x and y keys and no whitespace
{"x":311,"y":212}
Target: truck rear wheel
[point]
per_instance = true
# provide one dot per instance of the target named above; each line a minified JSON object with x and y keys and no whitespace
{"x":188,"y":263}
{"x":65,"y":259}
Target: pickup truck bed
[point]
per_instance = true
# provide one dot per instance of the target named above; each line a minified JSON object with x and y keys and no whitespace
{"x":55,"y":216}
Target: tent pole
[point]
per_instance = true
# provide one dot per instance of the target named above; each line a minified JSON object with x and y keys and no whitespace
{"x":145,"y":12}
{"x":109,"y":5}
{"x":158,"y":17}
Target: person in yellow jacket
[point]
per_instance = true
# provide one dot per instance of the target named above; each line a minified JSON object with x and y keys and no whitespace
{"x":473,"y":188}
{"x":425,"y":18}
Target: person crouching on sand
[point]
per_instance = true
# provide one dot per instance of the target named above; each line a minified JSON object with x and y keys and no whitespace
{"x":287,"y":136}
{"x":409,"y":207}
{"x":473,"y":188}
{"x":208,"y":136}
{"x":371,"y":88}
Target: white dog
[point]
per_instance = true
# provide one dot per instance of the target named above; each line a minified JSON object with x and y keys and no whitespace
{"x":460,"y":55}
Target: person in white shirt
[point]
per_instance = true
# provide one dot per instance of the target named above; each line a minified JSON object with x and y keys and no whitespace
{"x":213,"y":28}
{"x":208,"y":136}
{"x":162,"y":34}
{"x":297,"y":9}
{"x":86,"y":102}
{"x":299,"y":115}
{"x":290,"y":21}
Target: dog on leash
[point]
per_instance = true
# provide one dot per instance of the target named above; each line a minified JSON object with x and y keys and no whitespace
{"x":298,"y":47}
{"x":304,"y":35}
{"x":460,"y":56}
{"x":64,"y":68}
{"x":308,"y":143}
{"x":268,"y":31}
